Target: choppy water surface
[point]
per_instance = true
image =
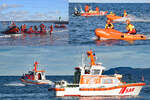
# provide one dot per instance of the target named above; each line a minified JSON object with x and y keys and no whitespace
{"x":59,"y":37}
{"x":81,"y":29}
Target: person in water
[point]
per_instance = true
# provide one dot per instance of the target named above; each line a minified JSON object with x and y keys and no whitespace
{"x":86,"y":8}
{"x":130,"y":27}
{"x":97,"y":9}
{"x":109,"y":25}
{"x":125,"y":14}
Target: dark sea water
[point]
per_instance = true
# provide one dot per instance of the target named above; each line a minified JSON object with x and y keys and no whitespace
{"x":59,"y":37}
{"x":11,"y":88}
{"x":81,"y":29}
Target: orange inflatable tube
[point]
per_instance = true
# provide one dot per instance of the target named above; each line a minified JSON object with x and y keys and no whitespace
{"x":113,"y":17}
{"x":114,"y":34}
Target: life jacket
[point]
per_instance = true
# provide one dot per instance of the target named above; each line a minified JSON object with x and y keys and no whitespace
{"x":131,"y":29}
{"x":109,"y":26}
{"x":30,"y":29}
{"x":125,"y":14}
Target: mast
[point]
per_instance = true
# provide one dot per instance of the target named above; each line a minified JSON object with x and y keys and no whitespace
{"x":90,"y":54}
{"x":35,"y":66}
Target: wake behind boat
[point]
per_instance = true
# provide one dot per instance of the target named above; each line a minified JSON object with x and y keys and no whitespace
{"x":35,"y":77}
{"x":89,"y":81}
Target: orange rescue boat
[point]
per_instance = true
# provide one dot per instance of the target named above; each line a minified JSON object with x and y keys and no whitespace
{"x":114,"y":34}
{"x":113,"y":17}
{"x":95,"y":13}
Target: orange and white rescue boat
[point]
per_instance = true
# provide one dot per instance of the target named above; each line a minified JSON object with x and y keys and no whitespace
{"x":89,"y":81}
{"x":35,"y":77}
{"x":114,"y":34}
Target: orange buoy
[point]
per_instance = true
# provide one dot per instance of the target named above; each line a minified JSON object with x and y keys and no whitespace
{"x":114,"y":34}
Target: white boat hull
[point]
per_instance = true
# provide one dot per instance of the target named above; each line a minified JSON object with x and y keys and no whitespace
{"x":76,"y":91}
{"x":37,"y":82}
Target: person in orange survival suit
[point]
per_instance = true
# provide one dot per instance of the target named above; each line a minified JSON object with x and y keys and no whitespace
{"x":86,"y":8}
{"x":130,"y":28}
{"x":125,"y":13}
{"x":109,"y":25}
{"x":51,"y":29}
{"x":97,"y":9}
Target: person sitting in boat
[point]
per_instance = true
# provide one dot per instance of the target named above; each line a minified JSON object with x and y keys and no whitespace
{"x":112,"y":14}
{"x":42,"y":27}
{"x":125,"y":13}
{"x":25,"y":28}
{"x":130,"y":28}
{"x":51,"y":28}
{"x":109,"y":25}
{"x":86,"y":8}
{"x":31,"y":29}
{"x":97,"y":9}
{"x":76,"y":12}
{"x":22,"y":29}
{"x":35,"y":28}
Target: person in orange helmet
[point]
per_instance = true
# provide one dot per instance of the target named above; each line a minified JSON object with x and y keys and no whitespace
{"x":86,"y":8}
{"x":97,"y":9}
{"x":130,"y":28}
{"x":109,"y":25}
{"x":125,"y":13}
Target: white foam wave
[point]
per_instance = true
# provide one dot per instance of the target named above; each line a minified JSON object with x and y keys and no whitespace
{"x":14,"y":84}
{"x":133,"y":19}
{"x":8,"y":36}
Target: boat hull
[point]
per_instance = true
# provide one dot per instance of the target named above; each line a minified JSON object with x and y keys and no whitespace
{"x":114,"y":34}
{"x":124,"y":90}
{"x":101,"y":13}
{"x":36,"y":82}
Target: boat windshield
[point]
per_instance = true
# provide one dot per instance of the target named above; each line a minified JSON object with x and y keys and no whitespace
{"x":95,"y":72}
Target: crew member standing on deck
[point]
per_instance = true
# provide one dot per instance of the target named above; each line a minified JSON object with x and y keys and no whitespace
{"x":51,"y":29}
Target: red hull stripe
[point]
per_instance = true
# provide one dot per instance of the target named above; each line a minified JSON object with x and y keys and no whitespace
{"x":112,"y":88}
{"x":32,"y":82}
{"x":123,"y":90}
